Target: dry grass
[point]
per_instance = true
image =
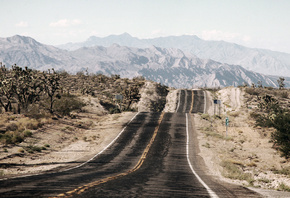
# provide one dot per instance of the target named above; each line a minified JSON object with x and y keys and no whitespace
{"x":233,"y":170}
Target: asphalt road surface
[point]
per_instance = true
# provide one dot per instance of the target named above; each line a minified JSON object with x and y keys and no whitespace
{"x":155,"y":156}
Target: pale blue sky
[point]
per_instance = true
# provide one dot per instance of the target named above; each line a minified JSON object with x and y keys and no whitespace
{"x":253,"y":23}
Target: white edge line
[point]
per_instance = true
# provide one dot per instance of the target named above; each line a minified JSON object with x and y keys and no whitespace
{"x":210,"y":192}
{"x":204,"y":110}
{"x":83,"y":162}
{"x":178,"y":101}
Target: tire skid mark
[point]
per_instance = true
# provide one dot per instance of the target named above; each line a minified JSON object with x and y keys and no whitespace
{"x":83,"y":188}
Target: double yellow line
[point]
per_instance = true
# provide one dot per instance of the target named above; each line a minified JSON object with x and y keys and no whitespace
{"x":191,"y":101}
{"x":83,"y":188}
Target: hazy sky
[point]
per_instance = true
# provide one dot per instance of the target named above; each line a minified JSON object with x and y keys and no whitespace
{"x":253,"y":23}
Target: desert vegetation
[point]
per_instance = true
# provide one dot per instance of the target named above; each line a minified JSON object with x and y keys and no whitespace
{"x":29,"y":98}
{"x":253,"y":151}
{"x":273,"y":111}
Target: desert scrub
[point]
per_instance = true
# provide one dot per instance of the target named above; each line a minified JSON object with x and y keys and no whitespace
{"x":21,"y":150}
{"x":28,"y":123}
{"x":27,"y":133}
{"x":66,"y":104}
{"x":158,"y":106}
{"x":11,"y":127}
{"x":206,"y":145}
{"x":217,"y":135}
{"x":11,"y":137}
{"x":264,"y":180}
{"x":252,"y":91}
{"x":32,"y":149}
{"x":233,"y":169}
{"x":234,"y":113}
{"x":283,"y":171}
{"x":284,"y":94}
{"x":205,"y":116}
{"x":149,"y":92}
{"x":283,"y":187}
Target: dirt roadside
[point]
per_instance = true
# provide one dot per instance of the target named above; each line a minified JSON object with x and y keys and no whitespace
{"x":242,"y":155}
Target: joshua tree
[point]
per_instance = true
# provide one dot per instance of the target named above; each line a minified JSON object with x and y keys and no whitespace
{"x":6,"y":88}
{"x":281,"y":82}
{"x":51,"y":86}
{"x":28,"y":86}
{"x":260,"y":84}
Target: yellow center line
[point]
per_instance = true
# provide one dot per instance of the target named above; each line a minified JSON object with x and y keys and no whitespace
{"x":191,"y":102}
{"x":81,"y":189}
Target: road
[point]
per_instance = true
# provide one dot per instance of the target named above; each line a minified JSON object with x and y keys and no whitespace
{"x":155,"y":156}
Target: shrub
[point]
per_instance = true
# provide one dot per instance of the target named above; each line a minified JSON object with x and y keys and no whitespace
{"x":284,"y":171}
{"x":281,"y":136}
{"x":5,"y":138}
{"x":205,"y":116}
{"x":27,"y":133}
{"x":33,"y":124}
{"x":11,"y":127}
{"x":252,"y":91}
{"x":149,"y":92}
{"x":47,"y":145}
{"x":157,"y":106}
{"x":234,"y":113}
{"x":32,"y":149}
{"x":283,"y":187}
{"x":107,"y":105}
{"x":11,"y":138}
{"x":65,"y":105}
{"x":114,"y":110}
{"x":233,"y":170}
{"x":284,"y":94}
{"x":16,"y":138}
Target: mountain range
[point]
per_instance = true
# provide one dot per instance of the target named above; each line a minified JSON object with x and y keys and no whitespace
{"x":258,"y":60}
{"x":169,"y":66}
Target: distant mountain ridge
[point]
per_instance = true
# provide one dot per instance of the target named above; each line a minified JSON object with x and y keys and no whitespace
{"x":169,"y":66}
{"x":258,"y":60}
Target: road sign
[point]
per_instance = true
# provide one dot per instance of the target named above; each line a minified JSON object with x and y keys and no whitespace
{"x":119,"y":97}
{"x":227,"y":121}
{"x":216,"y":101}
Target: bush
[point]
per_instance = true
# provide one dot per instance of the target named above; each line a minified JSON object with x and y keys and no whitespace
{"x":252,"y":91}
{"x":281,"y":136}
{"x":11,"y":138}
{"x":11,"y":127}
{"x":284,"y":94}
{"x":114,"y":110}
{"x":27,"y":133}
{"x":33,"y":124}
{"x":157,"y":106}
{"x":205,"y":116}
{"x":66,"y":104}
{"x":17,"y":138}
{"x":32,"y":149}
{"x":284,"y":171}
{"x":234,"y":113}
{"x":233,"y":170}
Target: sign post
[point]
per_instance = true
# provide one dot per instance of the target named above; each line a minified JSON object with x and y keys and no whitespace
{"x":118,"y":99}
{"x":227,"y":124}
{"x":217,"y":102}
